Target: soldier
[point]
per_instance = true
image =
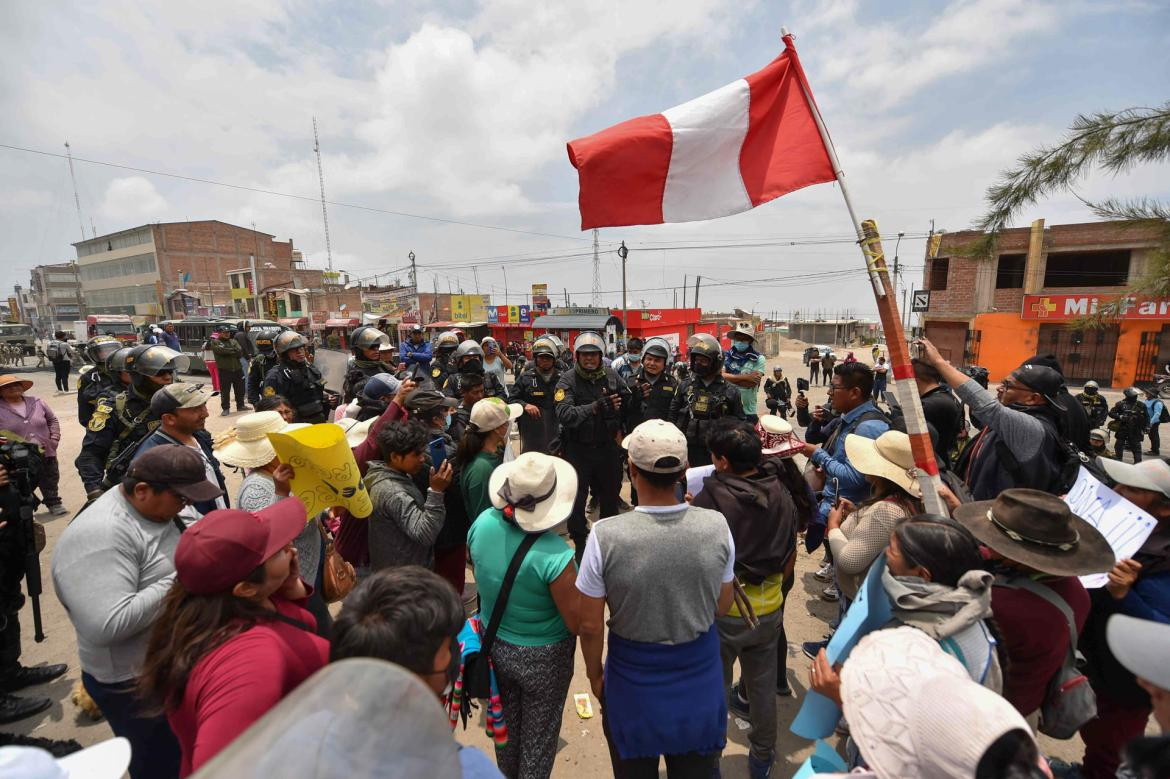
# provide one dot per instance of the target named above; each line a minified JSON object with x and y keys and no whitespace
{"x":366,"y":343}
{"x":95,"y":380}
{"x":468,"y":360}
{"x":297,"y":379}
{"x":534,"y":388}
{"x":704,"y":397}
{"x":1095,"y":406}
{"x":441,"y":366}
{"x":263,"y":361}
{"x":592,"y":404}
{"x":120,"y":375}
{"x":122,"y":421}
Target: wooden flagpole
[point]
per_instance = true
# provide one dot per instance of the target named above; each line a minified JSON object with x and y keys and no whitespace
{"x":879,"y":276}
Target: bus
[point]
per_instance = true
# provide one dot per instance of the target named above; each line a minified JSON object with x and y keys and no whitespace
{"x":194,"y":334}
{"x":17,"y":333}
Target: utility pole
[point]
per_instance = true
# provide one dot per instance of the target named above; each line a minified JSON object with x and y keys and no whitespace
{"x":77,"y":200}
{"x":623,"y":252}
{"x":414,"y":286}
{"x":434,"y":298}
{"x":566,"y":297}
{"x":697,"y":280}
{"x":596,"y":269}
{"x":897,"y":271}
{"x":321,"y":181}
{"x":475,"y":272}
{"x":255,"y":284}
{"x":684,"y":290}
{"x":505,"y":270}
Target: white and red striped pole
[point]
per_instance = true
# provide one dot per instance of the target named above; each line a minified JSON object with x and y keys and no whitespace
{"x":879,"y":276}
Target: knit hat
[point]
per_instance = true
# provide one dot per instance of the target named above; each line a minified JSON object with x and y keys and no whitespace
{"x":914,"y":711}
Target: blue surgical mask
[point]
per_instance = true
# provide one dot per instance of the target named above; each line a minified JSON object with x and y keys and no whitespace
{"x":739,"y":346}
{"x":447,"y":422}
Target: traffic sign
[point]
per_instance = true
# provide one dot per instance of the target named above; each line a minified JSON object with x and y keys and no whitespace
{"x":920,"y":302}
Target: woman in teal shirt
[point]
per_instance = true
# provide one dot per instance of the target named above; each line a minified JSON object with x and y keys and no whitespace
{"x":535,"y":643}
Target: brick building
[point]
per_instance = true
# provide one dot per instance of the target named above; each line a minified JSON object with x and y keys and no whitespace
{"x":1025,"y":301}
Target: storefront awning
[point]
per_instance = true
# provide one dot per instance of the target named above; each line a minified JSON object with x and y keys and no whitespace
{"x":341,"y":323}
{"x":576,"y":322}
{"x":296,"y":321}
{"x":443,"y":325}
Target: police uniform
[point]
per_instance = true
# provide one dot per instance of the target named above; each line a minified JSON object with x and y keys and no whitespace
{"x":93,"y":383}
{"x":492,"y":386}
{"x":588,"y":441}
{"x":359,"y":372}
{"x":698,"y":403}
{"x":656,"y":405}
{"x":302,"y":385}
{"x":119,"y":423}
{"x":258,"y":368}
{"x":537,"y":435}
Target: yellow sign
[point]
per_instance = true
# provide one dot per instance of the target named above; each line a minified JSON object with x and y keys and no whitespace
{"x":326,"y":475}
{"x":468,"y":308}
{"x":539,"y":291}
{"x":935,"y":241}
{"x":241,"y":293}
{"x":13,"y":310}
{"x":513,"y":315}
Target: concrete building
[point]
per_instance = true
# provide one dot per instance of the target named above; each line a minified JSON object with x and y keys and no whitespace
{"x":833,"y":332}
{"x":54,"y":298}
{"x":1025,"y":301}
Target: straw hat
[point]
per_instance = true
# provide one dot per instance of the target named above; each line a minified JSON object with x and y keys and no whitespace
{"x":887,"y":456}
{"x":8,"y":378}
{"x":249,"y":446}
{"x":777,"y":437}
{"x":355,"y":431}
{"x":535,"y":491}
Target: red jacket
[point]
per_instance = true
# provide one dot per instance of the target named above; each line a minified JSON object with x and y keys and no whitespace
{"x":1035,"y":637}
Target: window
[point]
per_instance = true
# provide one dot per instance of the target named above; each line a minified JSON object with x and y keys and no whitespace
{"x":115,"y":269}
{"x":123,"y":296}
{"x":1087,"y":269}
{"x":66,"y":293}
{"x":136,"y":238}
{"x":60,"y":278}
{"x":1010,"y":273}
{"x":939,"y":267}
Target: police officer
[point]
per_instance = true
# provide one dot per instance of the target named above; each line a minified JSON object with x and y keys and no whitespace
{"x":366,"y":344}
{"x":468,"y":360}
{"x":296,"y":379}
{"x":119,"y":373}
{"x":653,"y":386}
{"x":121,"y":422}
{"x":592,"y":404}
{"x":95,"y":379}
{"x":442,"y":363}
{"x":534,"y":388}
{"x":1132,"y":420}
{"x":704,"y":397}
{"x":262,"y":361}
{"x":1094,"y":403}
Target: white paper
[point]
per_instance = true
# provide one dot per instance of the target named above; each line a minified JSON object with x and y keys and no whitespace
{"x":1125,"y":526}
{"x":695,"y":478}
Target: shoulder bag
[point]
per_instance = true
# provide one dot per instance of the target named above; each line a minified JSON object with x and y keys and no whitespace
{"x":338,"y":577}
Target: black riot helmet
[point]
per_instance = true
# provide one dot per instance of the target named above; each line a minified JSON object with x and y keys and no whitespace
{"x":154,"y":365}
{"x":366,"y":337}
{"x":116,"y":362}
{"x":705,"y":345}
{"x":263,"y":340}
{"x":287,"y":341}
{"x":100,"y":347}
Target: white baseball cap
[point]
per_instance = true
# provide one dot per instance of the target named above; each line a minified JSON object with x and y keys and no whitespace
{"x":1152,"y":475}
{"x":656,"y":446}
{"x":490,"y":413}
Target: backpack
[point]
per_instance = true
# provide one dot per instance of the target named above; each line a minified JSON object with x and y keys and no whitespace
{"x":1164,"y":416}
{"x":53,"y":350}
{"x":1069,"y":701}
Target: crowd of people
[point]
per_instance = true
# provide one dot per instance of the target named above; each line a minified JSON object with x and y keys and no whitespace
{"x":198,"y":612}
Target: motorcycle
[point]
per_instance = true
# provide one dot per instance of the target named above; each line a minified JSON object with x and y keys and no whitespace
{"x":1162,"y":384}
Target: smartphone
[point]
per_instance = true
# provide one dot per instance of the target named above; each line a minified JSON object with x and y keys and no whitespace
{"x":438,"y":452}
{"x":836,"y":492}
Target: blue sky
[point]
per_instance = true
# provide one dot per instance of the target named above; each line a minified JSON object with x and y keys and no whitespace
{"x":461,"y":110}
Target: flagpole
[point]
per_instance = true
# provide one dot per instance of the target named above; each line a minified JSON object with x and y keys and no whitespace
{"x":905,"y":388}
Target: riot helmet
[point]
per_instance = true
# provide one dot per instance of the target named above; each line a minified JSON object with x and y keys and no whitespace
{"x":546,"y":345}
{"x":446,"y":342}
{"x":366,"y":337}
{"x":287,"y":341}
{"x":704,"y":345}
{"x":467,"y":355}
{"x":1091,"y":387}
{"x":1131,"y":393}
{"x":99,"y":349}
{"x":589,"y":341}
{"x":657,"y":347}
{"x":263,"y":340}
{"x":153,"y":365}
{"x":116,"y":365}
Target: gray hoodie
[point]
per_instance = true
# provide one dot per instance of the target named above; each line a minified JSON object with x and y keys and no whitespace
{"x":403,"y":526}
{"x":953,"y":616}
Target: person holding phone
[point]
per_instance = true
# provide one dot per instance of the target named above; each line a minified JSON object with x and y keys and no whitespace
{"x":481,"y":450}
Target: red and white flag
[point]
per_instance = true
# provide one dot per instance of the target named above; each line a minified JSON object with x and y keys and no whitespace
{"x":725,"y":152}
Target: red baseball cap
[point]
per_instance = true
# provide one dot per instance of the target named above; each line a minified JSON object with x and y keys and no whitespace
{"x":228,"y":544}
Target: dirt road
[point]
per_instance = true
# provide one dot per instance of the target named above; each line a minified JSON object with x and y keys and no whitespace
{"x":582,"y":750}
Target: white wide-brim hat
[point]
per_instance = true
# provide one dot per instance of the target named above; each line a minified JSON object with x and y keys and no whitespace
{"x":888,"y":456}
{"x":914,"y":711}
{"x":538,"y":489}
{"x":355,"y":431}
{"x":247,"y":444}
{"x":105,"y":760}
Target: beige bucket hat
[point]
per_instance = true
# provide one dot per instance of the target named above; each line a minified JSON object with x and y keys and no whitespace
{"x":247,"y":445}
{"x":887,"y":456}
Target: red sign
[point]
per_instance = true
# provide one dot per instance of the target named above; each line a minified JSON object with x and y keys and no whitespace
{"x":1063,"y":308}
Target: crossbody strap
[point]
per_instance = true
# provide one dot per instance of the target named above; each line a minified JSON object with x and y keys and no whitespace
{"x":505,"y":589}
{"x":1048,"y":594}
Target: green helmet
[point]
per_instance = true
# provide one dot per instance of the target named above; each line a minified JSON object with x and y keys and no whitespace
{"x":287,"y":341}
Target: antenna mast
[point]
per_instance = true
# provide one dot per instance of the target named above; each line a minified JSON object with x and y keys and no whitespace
{"x":321,"y":179}
{"x":596,"y":271}
{"x":77,"y":200}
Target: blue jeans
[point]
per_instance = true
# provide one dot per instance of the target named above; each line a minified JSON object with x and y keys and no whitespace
{"x":154,"y":750}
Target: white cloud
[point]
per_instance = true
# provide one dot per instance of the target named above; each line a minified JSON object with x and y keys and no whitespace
{"x":133,"y":198}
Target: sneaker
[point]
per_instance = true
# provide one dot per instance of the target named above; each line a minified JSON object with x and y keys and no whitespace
{"x":738,"y":702}
{"x":761,"y":769}
{"x":813,"y":648}
{"x":825,"y":573}
{"x":831,"y":593}
{"x":58,"y":510}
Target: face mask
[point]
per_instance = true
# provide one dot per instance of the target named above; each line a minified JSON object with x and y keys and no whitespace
{"x":739,"y":346}
{"x":447,"y":422}
{"x":634,"y":357}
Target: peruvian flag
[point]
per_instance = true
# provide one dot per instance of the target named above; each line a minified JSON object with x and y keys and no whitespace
{"x":725,"y":152}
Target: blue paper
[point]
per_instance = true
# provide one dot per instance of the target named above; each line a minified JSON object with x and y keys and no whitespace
{"x":818,"y":715}
{"x":823,"y":760}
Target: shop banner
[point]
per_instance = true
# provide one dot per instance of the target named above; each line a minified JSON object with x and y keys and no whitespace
{"x":1063,"y":308}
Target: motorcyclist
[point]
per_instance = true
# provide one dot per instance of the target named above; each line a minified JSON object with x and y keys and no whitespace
{"x":95,"y":379}
{"x":120,"y":422}
{"x":296,"y":379}
{"x":366,"y":343}
{"x":468,"y":359}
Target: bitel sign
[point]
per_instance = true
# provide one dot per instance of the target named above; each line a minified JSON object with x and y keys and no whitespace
{"x":1062,"y":308}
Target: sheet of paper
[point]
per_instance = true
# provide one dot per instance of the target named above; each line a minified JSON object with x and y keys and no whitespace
{"x":1125,"y":526}
{"x":325,"y":473}
{"x":823,"y":760}
{"x":818,"y":715}
{"x":695,"y":478}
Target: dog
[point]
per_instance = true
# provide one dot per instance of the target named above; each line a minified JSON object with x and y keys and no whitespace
{"x":87,"y":704}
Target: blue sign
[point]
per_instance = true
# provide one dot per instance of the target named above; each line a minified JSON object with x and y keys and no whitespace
{"x":524,"y":315}
{"x":493,"y":316}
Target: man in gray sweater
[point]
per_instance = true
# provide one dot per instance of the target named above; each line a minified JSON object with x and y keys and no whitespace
{"x":404,"y":524}
{"x":112,"y":568}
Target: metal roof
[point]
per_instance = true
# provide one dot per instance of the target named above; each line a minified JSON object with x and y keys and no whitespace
{"x":576,"y":321}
